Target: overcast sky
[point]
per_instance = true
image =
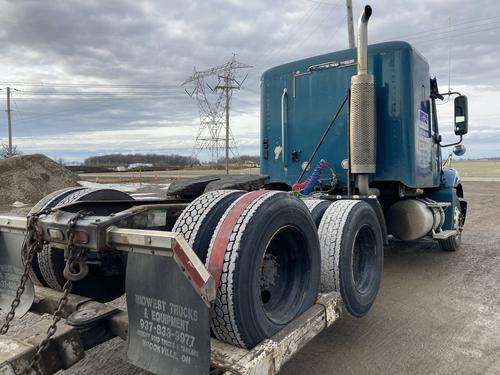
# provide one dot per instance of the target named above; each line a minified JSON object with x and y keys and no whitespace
{"x":111,"y":71}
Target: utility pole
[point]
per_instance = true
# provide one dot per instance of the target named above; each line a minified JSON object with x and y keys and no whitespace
{"x":350,"y":26}
{"x":9,"y":119}
{"x":227,"y":88}
{"x":227,"y":124}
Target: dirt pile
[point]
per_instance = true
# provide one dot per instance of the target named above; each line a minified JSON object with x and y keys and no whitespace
{"x":29,"y":178}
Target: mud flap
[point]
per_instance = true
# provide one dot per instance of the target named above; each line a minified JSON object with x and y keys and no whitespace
{"x":11,"y":270}
{"x":168,"y":320}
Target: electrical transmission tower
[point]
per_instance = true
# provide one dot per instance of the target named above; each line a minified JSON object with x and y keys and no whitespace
{"x":213,"y":90}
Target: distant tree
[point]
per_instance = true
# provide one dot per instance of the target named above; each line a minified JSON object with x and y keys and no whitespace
{"x":6,"y":153}
{"x":242,"y":159}
{"x":112,"y":160}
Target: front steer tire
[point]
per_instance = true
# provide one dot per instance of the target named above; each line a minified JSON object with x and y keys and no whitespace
{"x":453,"y":243}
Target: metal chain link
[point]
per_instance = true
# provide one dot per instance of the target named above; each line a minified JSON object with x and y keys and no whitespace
{"x":57,"y":315}
{"x":34,"y":244}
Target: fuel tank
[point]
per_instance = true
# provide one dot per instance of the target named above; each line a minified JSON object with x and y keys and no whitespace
{"x":411,"y":219}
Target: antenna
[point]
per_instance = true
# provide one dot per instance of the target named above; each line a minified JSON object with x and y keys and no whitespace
{"x":350,"y":26}
{"x":449,"y":55}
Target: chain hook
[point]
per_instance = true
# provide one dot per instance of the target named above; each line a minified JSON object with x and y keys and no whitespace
{"x":78,"y":264}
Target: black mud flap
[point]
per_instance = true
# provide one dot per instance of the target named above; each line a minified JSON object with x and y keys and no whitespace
{"x":11,"y":270}
{"x":168,"y":321}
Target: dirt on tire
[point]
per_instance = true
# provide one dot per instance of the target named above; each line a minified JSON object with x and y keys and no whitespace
{"x":29,"y":178}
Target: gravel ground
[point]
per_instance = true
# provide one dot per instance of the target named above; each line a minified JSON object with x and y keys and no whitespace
{"x":437,"y":312}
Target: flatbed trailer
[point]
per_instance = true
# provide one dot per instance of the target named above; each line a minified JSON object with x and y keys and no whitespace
{"x":87,"y":323}
{"x":70,"y":342}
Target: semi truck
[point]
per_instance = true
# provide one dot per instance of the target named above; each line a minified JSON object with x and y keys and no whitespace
{"x":237,"y":280}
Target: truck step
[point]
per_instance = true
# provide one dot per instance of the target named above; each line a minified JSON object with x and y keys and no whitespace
{"x":444,"y":234}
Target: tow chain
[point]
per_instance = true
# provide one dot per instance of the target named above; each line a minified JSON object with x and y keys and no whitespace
{"x":34,"y":243}
{"x":76,"y":269}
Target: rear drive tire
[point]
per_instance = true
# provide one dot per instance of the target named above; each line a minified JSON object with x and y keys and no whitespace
{"x":351,"y":254}
{"x":269,"y":249}
{"x":53,"y":199}
{"x":317,"y":208}
{"x":199,"y":219}
{"x":100,"y":284}
{"x":49,"y":201}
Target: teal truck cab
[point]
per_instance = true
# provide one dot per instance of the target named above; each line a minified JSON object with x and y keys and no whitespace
{"x":384,"y":139}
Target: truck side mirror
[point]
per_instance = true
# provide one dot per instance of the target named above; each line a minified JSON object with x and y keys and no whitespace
{"x":459,"y":150}
{"x":461,"y":116}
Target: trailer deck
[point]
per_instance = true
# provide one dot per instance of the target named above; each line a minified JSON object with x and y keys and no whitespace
{"x":87,"y":323}
{"x":94,"y":323}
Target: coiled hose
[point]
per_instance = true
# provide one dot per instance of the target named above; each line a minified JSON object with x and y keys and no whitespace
{"x":308,"y":185}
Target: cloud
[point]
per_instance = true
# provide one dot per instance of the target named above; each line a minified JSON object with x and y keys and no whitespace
{"x":146,"y":49}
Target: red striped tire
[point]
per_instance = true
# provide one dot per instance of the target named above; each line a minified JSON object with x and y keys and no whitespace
{"x":265,"y":259}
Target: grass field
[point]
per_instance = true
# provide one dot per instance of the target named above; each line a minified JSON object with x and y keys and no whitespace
{"x":466,"y":168}
{"x":477,"y":168}
{"x":159,"y":176}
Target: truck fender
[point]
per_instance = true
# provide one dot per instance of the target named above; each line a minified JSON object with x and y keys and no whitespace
{"x":451,"y":177}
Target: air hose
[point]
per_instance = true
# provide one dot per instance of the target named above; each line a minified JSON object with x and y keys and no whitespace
{"x":307,"y":186}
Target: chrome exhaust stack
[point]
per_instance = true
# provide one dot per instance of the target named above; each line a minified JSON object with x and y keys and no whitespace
{"x":363,"y":40}
{"x":362,"y":125}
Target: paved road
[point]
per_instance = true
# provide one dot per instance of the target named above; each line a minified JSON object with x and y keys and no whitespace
{"x":437,"y":312}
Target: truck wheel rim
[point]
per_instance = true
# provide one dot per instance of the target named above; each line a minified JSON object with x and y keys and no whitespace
{"x":283,"y":274}
{"x":363,"y":259}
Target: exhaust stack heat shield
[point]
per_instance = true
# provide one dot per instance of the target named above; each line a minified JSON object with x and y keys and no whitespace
{"x":363,"y":133}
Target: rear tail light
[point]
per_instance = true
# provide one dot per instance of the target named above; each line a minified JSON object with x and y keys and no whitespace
{"x":80,"y":236}
{"x":39,"y":231}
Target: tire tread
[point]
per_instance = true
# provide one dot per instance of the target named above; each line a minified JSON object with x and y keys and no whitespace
{"x":330,"y":237}
{"x":193,"y":217}
{"x":223,"y":324}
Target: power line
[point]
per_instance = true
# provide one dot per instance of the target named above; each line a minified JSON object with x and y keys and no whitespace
{"x":21,"y":116}
{"x":50,"y":91}
{"x":108,"y":94}
{"x":457,"y":35}
{"x":63,"y":97}
{"x":269,"y":55}
{"x":456,"y":31}
{"x":433,"y":31}
{"x":325,"y":2}
{"x":301,"y":40}
{"x":82,"y":84}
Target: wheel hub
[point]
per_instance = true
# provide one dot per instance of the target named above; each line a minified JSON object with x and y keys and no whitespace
{"x":269,"y":272}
